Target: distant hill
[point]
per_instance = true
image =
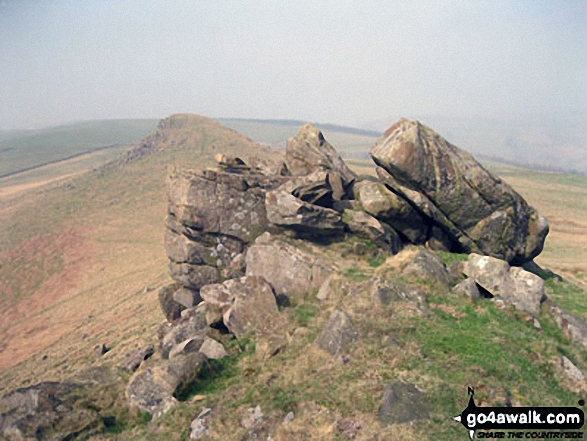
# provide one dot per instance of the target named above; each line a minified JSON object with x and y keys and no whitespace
{"x":349,"y":141}
{"x":25,"y":149}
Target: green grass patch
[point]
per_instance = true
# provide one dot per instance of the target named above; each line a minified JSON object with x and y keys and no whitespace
{"x":568,"y":295}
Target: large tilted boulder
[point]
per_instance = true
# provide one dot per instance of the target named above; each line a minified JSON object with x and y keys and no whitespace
{"x":308,"y":151}
{"x":477,"y":210}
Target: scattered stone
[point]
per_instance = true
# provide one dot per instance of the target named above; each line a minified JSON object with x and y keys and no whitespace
{"x":428,"y":266}
{"x":324,"y":291}
{"x":133,"y":360}
{"x":468,"y":288}
{"x":212,"y":349}
{"x":338,"y":333}
{"x":151,"y":388}
{"x":487,"y":213}
{"x":348,"y":428}
{"x":100,"y":350}
{"x":191,"y":326}
{"x":512,"y":285}
{"x":403,"y":403}
{"x":200,"y":427}
{"x":571,"y":371}
{"x":48,"y":410}
{"x":386,"y":291}
{"x":286,"y":211}
{"x":254,"y":417}
{"x":537,"y":324}
{"x":231,"y":163}
{"x":169,"y":306}
{"x":572,"y":326}
{"x":289,"y":417}
{"x":188,"y":346}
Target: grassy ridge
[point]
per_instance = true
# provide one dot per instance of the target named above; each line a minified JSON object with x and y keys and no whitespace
{"x":25,"y":149}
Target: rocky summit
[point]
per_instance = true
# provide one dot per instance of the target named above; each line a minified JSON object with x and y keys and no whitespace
{"x":309,"y":302}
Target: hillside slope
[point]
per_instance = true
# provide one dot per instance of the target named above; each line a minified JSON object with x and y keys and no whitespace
{"x":81,"y":264}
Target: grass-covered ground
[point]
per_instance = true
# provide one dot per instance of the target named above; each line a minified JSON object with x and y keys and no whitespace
{"x":21,"y":150}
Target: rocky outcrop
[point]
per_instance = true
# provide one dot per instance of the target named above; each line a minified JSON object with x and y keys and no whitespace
{"x":476,"y":210}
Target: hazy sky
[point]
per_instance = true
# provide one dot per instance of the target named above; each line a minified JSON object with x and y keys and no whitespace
{"x":330,"y":61}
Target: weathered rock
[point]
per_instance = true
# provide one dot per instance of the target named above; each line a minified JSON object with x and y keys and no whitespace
{"x":236,"y":268}
{"x":386,"y":291}
{"x":314,"y":188}
{"x":288,"y":270}
{"x":133,"y":360}
{"x":151,"y":388}
{"x":366,"y":226}
{"x":219,"y":202}
{"x":403,"y":403}
{"x":193,"y":276}
{"x":377,"y":200}
{"x":254,"y":416}
{"x":212,"y":349}
{"x":348,"y":428}
{"x":190,"y":326}
{"x":309,"y":151}
{"x":100,"y":349}
{"x":200,"y":427}
{"x":232,"y":164}
{"x":428,"y":266}
{"x":468,"y":288}
{"x":188,"y":298}
{"x":570,"y":370}
{"x":573,"y":327}
{"x":48,"y":410}
{"x":486,"y":210}
{"x":169,"y":306}
{"x":513,"y":285}
{"x":254,"y":311}
{"x":338,"y":333}
{"x":180,"y":249}
{"x":219,"y":295}
{"x":287,"y":211}
{"x":189,"y":346}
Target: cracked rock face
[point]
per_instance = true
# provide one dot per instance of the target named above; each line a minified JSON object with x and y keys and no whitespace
{"x":478,"y":210}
